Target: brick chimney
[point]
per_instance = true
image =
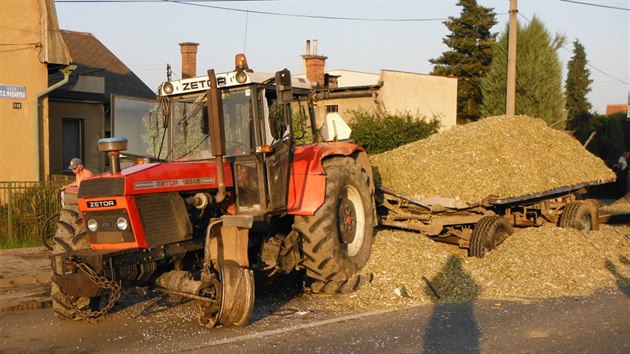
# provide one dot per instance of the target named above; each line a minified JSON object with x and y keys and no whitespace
{"x":189,"y":59}
{"x":314,"y":64}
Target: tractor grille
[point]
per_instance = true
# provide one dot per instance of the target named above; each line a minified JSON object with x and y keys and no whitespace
{"x":107,"y":232}
{"x":164,"y":218}
{"x":102,"y":187}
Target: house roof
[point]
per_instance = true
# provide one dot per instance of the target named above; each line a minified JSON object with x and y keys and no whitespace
{"x":54,"y":51}
{"x":616,"y":108}
{"x":350,"y":78}
{"x":95,"y":59}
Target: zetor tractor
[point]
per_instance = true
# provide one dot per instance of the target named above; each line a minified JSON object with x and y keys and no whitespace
{"x":233,"y":194}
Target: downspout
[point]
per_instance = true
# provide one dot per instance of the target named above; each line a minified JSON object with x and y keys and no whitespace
{"x":66,"y":77}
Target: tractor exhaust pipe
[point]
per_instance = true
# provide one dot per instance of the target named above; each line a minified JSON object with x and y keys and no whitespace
{"x":217,"y":132}
{"x":113,"y":147}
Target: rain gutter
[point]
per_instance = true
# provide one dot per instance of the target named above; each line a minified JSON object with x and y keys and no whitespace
{"x":66,"y":77}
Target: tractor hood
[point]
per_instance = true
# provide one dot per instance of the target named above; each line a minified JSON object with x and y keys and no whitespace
{"x":156,"y":178}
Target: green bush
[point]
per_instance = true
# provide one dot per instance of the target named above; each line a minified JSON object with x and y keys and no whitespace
{"x":378,"y":134}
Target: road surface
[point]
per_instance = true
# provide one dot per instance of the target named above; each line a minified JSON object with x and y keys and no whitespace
{"x":596,"y":324}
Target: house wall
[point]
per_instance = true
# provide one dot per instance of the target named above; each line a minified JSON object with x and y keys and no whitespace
{"x":93,"y":117}
{"x":424,"y":94}
{"x":345,"y":105}
{"x":21,"y":67}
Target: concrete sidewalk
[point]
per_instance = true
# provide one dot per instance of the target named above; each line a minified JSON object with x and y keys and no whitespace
{"x":24,"y":279}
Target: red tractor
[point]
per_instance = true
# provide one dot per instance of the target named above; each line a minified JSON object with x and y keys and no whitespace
{"x":233,"y":194}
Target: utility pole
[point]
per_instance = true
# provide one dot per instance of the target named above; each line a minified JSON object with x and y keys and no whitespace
{"x":510,"y":101}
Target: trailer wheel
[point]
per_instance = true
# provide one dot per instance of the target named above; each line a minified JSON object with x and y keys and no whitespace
{"x":580,"y":215}
{"x":70,"y":235}
{"x":337,"y":239}
{"x":489,"y":232}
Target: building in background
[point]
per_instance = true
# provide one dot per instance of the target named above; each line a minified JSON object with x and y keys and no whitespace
{"x":55,"y":93}
{"x":616,"y":108}
{"x":390,"y":91}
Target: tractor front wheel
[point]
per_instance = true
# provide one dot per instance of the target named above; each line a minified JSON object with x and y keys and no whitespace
{"x":70,"y":236}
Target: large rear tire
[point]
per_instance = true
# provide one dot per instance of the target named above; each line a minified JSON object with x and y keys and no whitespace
{"x":580,"y":215}
{"x":337,"y":239}
{"x":489,"y":232}
{"x":70,"y":236}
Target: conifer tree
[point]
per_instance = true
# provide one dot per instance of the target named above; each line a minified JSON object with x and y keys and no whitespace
{"x":469,"y":57}
{"x":538,"y":75}
{"x":577,"y":86}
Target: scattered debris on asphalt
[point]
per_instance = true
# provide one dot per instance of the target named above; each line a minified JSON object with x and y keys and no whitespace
{"x":533,"y":263}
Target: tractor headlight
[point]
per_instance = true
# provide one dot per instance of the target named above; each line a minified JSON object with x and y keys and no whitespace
{"x":168,"y":88}
{"x":241,"y":77}
{"x":122,"y":224}
{"x":92,"y":225}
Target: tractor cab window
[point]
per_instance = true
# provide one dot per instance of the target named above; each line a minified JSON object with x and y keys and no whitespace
{"x":237,"y":114}
{"x":275,"y":123}
{"x":189,"y":128}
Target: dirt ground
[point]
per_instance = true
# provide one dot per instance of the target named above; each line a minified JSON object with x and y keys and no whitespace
{"x":24,"y":279}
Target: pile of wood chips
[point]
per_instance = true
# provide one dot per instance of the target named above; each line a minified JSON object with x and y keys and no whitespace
{"x":543,"y":262}
{"x":502,"y":156}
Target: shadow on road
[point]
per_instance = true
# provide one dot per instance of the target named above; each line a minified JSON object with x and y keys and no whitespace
{"x":272,"y":293}
{"x":452,"y":328}
{"x":623,"y":282}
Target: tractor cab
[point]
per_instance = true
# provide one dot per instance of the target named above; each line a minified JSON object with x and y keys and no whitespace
{"x":243,"y":117}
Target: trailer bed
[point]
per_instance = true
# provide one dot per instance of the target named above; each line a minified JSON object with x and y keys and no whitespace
{"x":454,"y":220}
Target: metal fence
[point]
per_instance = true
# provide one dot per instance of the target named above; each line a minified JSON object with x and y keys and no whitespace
{"x":24,"y":206}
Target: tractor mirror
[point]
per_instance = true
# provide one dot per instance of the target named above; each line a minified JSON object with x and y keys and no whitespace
{"x":283,"y":86}
{"x":215,"y":116}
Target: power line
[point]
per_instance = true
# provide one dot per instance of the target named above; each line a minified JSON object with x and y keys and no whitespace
{"x":596,"y":5}
{"x":136,"y":1}
{"x":310,"y":16}
{"x":203,"y":3}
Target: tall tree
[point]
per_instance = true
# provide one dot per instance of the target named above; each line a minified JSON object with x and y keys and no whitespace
{"x":469,"y":57}
{"x":538,"y":75}
{"x":577,"y":87}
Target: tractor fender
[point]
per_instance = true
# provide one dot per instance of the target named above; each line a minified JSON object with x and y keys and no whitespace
{"x":307,"y":185}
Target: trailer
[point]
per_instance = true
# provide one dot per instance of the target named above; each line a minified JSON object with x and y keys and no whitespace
{"x":482,"y":226}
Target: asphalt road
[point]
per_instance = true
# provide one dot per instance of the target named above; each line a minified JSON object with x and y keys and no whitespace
{"x":594,"y":324}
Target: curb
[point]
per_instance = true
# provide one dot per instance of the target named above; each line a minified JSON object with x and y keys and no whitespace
{"x":41,"y":303}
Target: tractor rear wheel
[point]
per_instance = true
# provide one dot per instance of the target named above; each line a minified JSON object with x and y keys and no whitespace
{"x":337,"y":239}
{"x":70,"y":236}
{"x":489,"y":232}
{"x":580,"y":215}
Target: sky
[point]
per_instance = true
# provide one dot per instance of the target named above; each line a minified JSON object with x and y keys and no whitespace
{"x":365,"y":36}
